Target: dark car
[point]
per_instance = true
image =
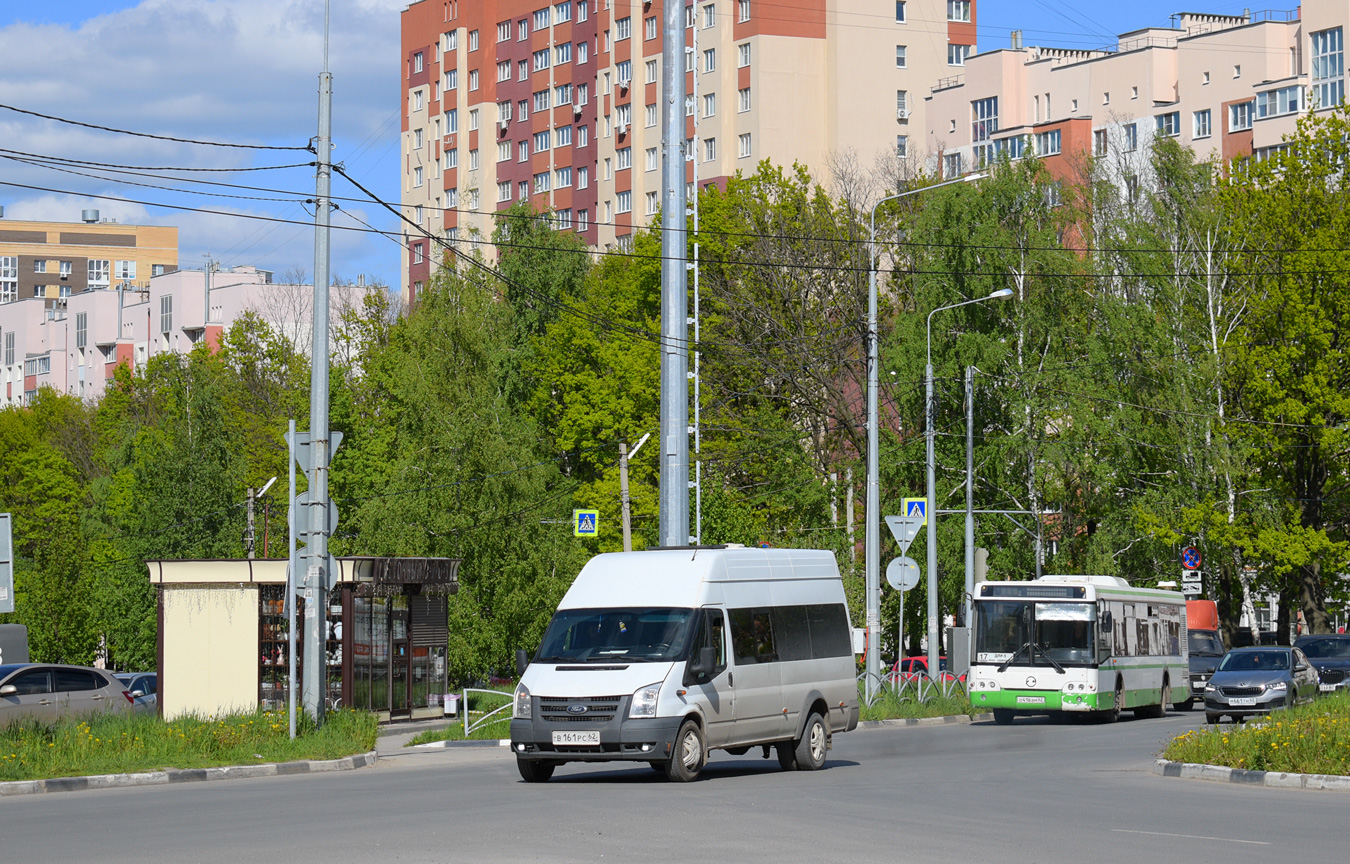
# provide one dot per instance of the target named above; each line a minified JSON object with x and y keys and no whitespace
{"x":47,"y":691}
{"x":1251,"y":681}
{"x":1205,"y":651}
{"x":1330,"y":653}
{"x":141,"y":686}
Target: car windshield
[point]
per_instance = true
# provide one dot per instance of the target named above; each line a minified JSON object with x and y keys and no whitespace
{"x":608,"y":635}
{"x":1034,"y":631}
{"x":1204,"y":643}
{"x":1254,"y":661}
{"x":1327,"y":649}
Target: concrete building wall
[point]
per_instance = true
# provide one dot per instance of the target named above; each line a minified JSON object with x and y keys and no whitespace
{"x":52,"y":260}
{"x":791,"y":81}
{"x":210,"y":655}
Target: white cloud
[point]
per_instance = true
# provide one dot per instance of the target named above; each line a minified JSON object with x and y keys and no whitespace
{"x":243,"y":71}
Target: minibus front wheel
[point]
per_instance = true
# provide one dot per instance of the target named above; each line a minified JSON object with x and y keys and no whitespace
{"x":689,"y":754}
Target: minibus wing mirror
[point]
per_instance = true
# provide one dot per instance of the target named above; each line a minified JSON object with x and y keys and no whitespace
{"x":522,"y":661}
{"x":703,"y":663}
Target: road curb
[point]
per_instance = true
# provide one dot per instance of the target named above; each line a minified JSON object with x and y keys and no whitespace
{"x":1269,"y":779}
{"x":476,"y":742}
{"x":189,"y":775}
{"x":925,"y":721}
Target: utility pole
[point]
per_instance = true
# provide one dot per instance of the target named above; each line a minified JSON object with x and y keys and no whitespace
{"x":674,"y":433}
{"x":248,"y":532}
{"x":624,"y":456}
{"x":970,"y":494}
{"x":315,"y":673}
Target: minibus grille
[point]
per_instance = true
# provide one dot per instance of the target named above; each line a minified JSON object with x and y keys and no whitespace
{"x":598,"y":709}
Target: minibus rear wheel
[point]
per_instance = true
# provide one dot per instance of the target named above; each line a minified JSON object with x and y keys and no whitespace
{"x":815,"y":741}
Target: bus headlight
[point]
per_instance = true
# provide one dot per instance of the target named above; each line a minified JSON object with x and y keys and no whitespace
{"x":524,"y":709}
{"x":644,"y":701}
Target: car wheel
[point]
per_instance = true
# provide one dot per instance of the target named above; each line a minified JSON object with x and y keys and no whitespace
{"x":1003,"y":716}
{"x":1212,"y":719}
{"x":815,"y":741}
{"x":687,"y":760}
{"x":532,"y":771}
{"x":658,"y":766}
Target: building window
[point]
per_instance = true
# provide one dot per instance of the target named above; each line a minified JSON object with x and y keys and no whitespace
{"x":624,"y":71}
{"x":1131,"y":131}
{"x":651,"y":116}
{"x":958,"y":10}
{"x":522,"y":30}
{"x":503,"y":31}
{"x":1240,"y":116}
{"x":1328,"y":68}
{"x":623,"y":28}
{"x":957,"y":54}
{"x":1168,"y":125}
{"x":503,"y":70}
{"x":582,"y":219}
{"x":1047,"y":143}
{"x":166,"y":314}
{"x":417,"y":177}
{"x":504,"y":191}
{"x":623,"y":115}
{"x":899,"y":11}
{"x":1274,"y":103}
{"x":541,"y":141}
{"x":650,"y":154}
{"x":743,"y":10}
{"x":649,"y":28}
{"x":1106,"y":97}
{"x":541,"y":19}
{"x":562,"y":94}
{"x":651,"y":203}
{"x":743,"y":145}
{"x":583,"y":177}
{"x":984,"y":118}
{"x":743,"y":100}
{"x":98,"y":272}
{"x":1098,"y":142}
{"x":689,"y":14}
{"x":562,"y":137}
{"x":902,"y":146}
{"x":583,"y":135}
{"x":709,"y":16}
{"x":541,"y":100}
{"x":523,"y":108}
{"x":709,"y":104}
{"x":155,"y":269}
{"x":524,"y":151}
{"x":473,"y":159}
{"x":710,"y":60}
{"x":951,"y":166}
{"x":541,"y":60}
{"x":583,"y":11}
{"x":125,"y":270}
{"x":473,"y":119}
{"x":562,"y":12}
{"x":541,"y":182}
{"x":564,"y":218}
{"x":1200,"y":124}
{"x":562,"y":178}
{"x":417,"y":139}
{"x":417,"y":63}
{"x":624,"y":201}
{"x":624,"y":158}
{"x":709,"y":149}
{"x":503,"y":151}
{"x":583,"y":52}
{"x":562,"y":54}
{"x":902,"y":104}
{"x":40,"y":266}
{"x":743,"y":55}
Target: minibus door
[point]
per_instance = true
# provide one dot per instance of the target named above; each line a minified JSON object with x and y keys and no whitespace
{"x":715,"y":692}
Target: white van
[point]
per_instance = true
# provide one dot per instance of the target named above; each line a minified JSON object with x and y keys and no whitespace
{"x":661,"y":656}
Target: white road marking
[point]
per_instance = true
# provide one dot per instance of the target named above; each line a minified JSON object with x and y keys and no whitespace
{"x":1191,"y":837}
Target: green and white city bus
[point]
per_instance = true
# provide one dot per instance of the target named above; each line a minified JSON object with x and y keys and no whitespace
{"x":1086,"y":644}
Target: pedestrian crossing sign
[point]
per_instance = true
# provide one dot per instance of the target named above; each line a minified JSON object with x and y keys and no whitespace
{"x":585,"y":523}
{"x":917,"y":508}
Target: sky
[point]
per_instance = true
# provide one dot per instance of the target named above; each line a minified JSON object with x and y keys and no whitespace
{"x":246,"y":72}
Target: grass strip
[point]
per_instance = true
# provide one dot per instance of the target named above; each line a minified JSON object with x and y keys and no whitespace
{"x":890,"y":707}
{"x":133,"y":743}
{"x":1308,"y":739}
{"x":478,"y":705}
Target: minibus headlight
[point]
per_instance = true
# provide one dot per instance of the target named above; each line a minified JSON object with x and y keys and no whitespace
{"x":524,"y":709}
{"x":644,"y":701}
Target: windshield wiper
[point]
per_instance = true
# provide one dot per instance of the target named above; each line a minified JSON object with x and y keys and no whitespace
{"x":1031,"y":648}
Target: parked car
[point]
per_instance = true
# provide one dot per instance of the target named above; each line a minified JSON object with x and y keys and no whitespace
{"x":1251,"y":681}
{"x":47,"y":691}
{"x":1330,"y":653}
{"x":143,"y":690}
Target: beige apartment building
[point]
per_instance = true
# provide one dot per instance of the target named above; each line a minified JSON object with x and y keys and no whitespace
{"x":1224,"y":86}
{"x":558,"y":103}
{"x":54,"y":260}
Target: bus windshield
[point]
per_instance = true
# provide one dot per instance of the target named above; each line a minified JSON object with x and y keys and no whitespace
{"x":1034,"y":633}
{"x":615,"y":635}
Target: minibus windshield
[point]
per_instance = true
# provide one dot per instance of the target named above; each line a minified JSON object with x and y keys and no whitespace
{"x":610,"y":635}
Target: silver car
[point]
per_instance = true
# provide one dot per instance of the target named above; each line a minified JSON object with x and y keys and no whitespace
{"x":143,"y":689}
{"x":47,"y":692}
{"x":1258,"y":680}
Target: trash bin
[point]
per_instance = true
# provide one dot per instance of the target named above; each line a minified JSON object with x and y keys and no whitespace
{"x":450,"y":705}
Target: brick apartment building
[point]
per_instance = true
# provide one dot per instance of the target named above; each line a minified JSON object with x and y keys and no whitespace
{"x":557,"y":103}
{"x":1224,"y":86}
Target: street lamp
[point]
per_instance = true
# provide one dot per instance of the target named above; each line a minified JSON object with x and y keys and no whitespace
{"x":872,"y":541}
{"x":933,"y":661}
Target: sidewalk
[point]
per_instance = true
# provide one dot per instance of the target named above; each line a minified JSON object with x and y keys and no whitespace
{"x":394,"y":736}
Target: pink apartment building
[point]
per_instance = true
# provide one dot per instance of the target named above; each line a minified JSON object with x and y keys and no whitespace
{"x":557,"y":103}
{"x":75,"y":348}
{"x":1225,"y":86}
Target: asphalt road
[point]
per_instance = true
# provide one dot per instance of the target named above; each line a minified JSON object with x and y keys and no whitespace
{"x":1034,"y":791}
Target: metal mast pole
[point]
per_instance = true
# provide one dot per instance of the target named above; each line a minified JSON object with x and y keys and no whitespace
{"x":316,"y":601}
{"x":933,"y":623}
{"x":674,"y":487}
{"x":970,"y":492}
{"x":698,"y":433}
{"x":872,"y":509}
{"x":292,"y":576}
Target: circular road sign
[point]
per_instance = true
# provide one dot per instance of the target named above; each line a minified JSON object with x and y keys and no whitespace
{"x":1190,"y":558}
{"x":902,"y":573}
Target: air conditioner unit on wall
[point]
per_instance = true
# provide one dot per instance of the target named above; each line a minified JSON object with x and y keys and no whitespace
{"x":902,"y":114}
{"x":622,"y":129}
{"x":502,"y":124}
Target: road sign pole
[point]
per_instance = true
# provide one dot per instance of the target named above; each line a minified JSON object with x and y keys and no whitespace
{"x":291,"y":520}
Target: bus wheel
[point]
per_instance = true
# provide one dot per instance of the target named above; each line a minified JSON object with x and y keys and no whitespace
{"x":1003,"y":716}
{"x":1159,"y":710}
{"x":1112,"y":714}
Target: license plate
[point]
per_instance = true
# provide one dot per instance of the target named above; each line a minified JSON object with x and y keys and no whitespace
{"x":1326,"y":688}
{"x":1030,"y":700}
{"x":1241,"y":701}
{"x":574,"y":739}
{"x":1198,"y":685}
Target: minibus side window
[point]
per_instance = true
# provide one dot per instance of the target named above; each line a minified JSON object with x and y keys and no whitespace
{"x":752,"y":636}
{"x":792,"y":637}
{"x":712,"y":633}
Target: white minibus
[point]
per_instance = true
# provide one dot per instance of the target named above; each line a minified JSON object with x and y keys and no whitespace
{"x":664,"y":655}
